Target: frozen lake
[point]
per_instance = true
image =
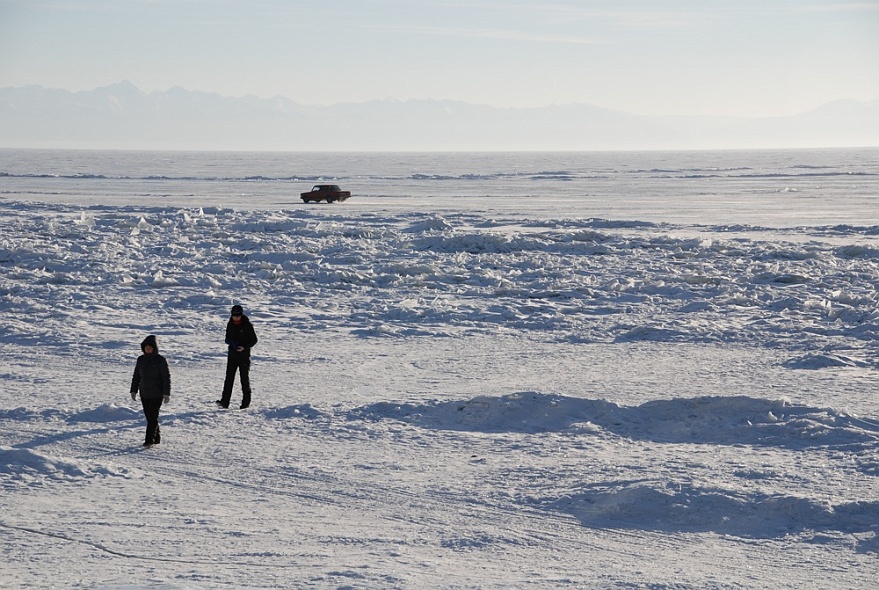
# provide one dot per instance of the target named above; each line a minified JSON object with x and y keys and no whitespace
{"x":641,"y":370}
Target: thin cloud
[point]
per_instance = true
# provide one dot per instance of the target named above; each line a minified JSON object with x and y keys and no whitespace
{"x":567,"y":13}
{"x":497,"y":34}
{"x":845,"y":7}
{"x":634,"y":19}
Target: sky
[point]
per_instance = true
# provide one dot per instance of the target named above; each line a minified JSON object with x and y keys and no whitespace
{"x":751,"y":58}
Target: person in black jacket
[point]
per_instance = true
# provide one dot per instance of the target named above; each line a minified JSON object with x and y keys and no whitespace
{"x":153,"y":379}
{"x":240,"y":337}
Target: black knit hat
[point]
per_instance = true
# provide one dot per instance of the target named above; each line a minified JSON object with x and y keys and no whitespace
{"x":237,"y":310}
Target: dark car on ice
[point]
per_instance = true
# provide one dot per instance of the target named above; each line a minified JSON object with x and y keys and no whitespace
{"x":325,"y":192}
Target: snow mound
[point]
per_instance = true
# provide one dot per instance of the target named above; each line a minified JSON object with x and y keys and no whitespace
{"x":25,"y":467}
{"x":703,"y":420}
{"x":824,"y":361}
{"x":734,"y":420}
{"x":301,"y":411}
{"x":430,"y":224}
{"x":516,"y":412}
{"x":106,"y":413}
{"x":664,"y":506}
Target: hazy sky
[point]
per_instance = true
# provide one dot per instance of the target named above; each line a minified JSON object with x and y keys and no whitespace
{"x":736,"y":57}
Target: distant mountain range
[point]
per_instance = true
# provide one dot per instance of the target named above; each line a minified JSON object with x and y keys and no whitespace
{"x":121,"y":116}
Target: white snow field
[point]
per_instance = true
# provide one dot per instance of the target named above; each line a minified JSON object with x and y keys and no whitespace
{"x":649,"y":371}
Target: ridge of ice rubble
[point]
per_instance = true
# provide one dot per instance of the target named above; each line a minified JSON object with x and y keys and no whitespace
{"x":398,"y":274}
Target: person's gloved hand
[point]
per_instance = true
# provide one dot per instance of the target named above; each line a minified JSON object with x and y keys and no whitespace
{"x":166,"y":399}
{"x":133,"y":395}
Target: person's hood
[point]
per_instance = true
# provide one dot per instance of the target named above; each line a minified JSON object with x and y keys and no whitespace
{"x":152,"y":341}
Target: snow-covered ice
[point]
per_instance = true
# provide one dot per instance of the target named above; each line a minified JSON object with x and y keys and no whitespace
{"x":648,"y":371}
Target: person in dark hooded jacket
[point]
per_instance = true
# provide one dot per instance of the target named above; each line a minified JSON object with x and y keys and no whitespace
{"x":240,"y":337}
{"x":153,"y":380}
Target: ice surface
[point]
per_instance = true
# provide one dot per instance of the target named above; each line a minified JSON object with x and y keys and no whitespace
{"x":507,"y":392}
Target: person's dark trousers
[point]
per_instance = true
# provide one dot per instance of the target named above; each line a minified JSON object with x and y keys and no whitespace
{"x":151,"y":408}
{"x":241,"y":364}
